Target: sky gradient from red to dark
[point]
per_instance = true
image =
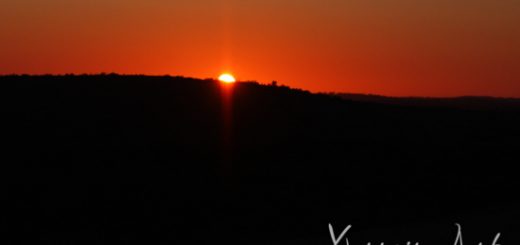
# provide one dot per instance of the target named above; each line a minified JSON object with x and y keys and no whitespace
{"x":389,"y":47}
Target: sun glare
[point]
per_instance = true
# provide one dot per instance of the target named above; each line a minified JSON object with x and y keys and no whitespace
{"x":227,"y":78}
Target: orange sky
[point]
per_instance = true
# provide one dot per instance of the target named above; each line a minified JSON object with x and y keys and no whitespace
{"x":390,"y":47}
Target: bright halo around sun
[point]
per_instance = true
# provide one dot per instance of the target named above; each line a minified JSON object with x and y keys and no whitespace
{"x":227,"y":78}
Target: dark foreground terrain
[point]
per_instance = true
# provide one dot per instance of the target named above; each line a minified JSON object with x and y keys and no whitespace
{"x":165,"y":160}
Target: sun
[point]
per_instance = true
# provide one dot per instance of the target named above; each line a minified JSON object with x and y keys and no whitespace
{"x":227,"y":78}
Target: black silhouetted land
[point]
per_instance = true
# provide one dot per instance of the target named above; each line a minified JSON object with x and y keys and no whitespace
{"x":153,"y":160}
{"x":463,"y":102}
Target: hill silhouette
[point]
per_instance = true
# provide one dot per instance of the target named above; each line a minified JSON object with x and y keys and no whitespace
{"x":109,"y":159}
{"x":463,"y":102}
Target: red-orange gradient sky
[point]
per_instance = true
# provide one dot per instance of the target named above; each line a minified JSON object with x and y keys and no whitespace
{"x":390,"y":47}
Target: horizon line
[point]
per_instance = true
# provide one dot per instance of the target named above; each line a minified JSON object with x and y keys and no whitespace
{"x":368,"y":94}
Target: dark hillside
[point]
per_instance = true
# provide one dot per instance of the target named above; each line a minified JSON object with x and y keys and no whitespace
{"x":164,"y":160}
{"x":464,"y":102}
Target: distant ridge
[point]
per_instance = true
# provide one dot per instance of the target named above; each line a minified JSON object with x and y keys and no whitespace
{"x":462,"y":102}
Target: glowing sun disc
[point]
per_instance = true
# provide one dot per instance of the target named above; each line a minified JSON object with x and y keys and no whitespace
{"x":227,"y":78}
